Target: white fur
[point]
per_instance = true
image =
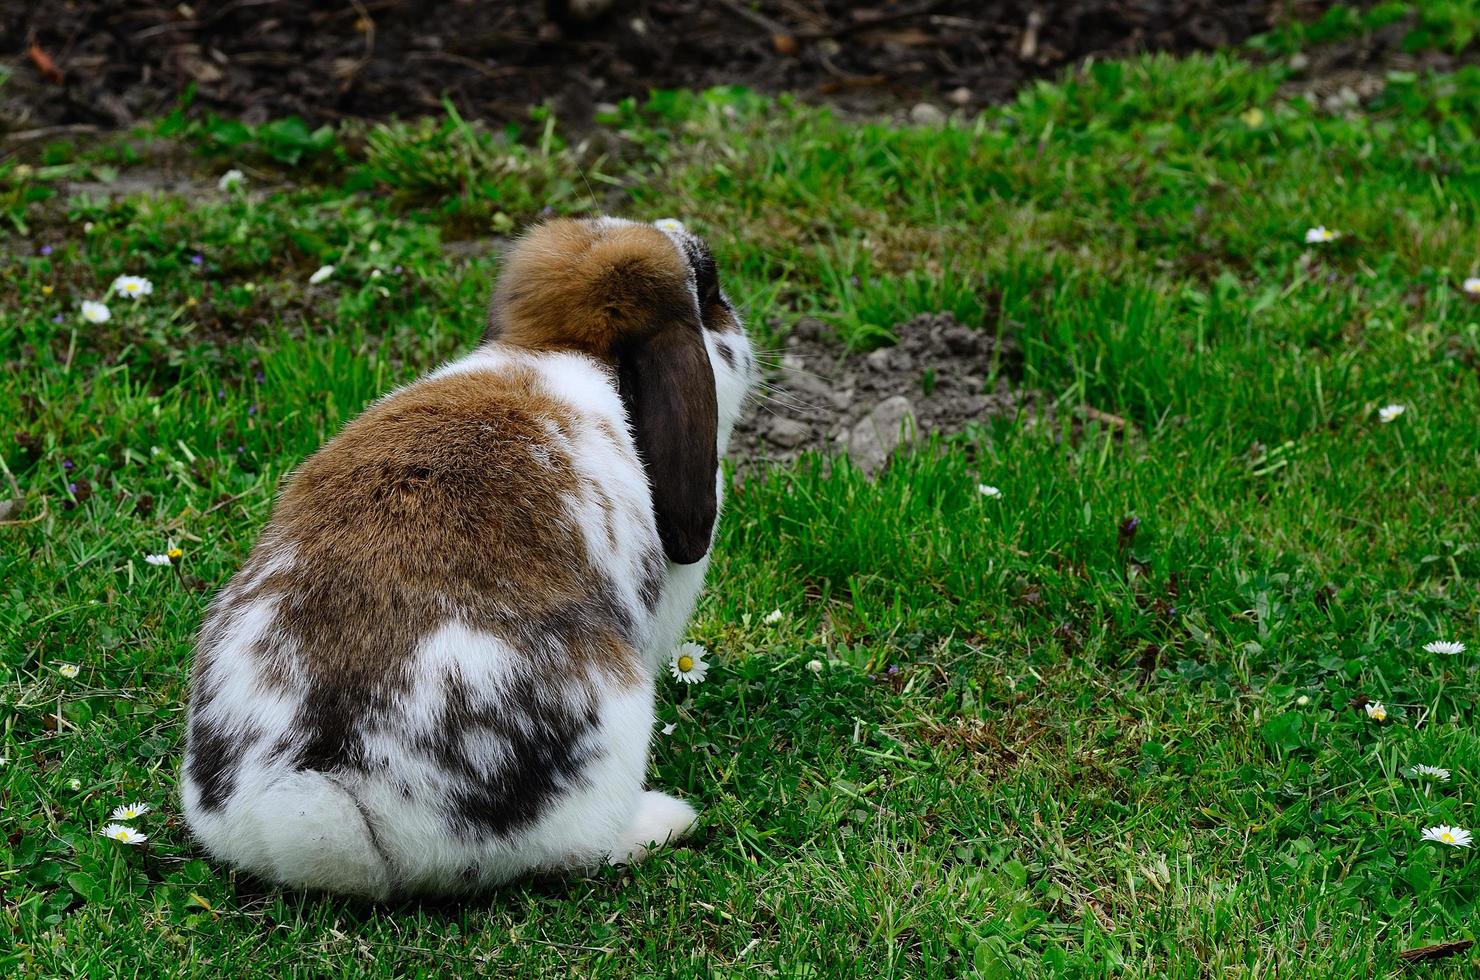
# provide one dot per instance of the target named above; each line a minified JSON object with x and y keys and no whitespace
{"x":659,"y":819}
{"x":382,"y":831}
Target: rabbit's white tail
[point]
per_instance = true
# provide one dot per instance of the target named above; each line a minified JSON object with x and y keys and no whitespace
{"x":303,"y":829}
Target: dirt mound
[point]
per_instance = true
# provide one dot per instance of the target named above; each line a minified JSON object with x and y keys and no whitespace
{"x":936,"y":379}
{"x":102,"y":62}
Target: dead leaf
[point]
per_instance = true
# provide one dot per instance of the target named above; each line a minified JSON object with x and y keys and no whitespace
{"x":784,"y":44}
{"x":1437,"y":951}
{"x":200,"y":69}
{"x":905,"y":37}
{"x":44,"y":64}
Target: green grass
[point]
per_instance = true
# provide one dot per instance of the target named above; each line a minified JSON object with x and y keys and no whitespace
{"x":1040,"y":746}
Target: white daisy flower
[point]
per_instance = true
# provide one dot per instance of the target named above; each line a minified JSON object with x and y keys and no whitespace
{"x":325,"y":271}
{"x":68,"y":671}
{"x":1388,"y":413}
{"x":157,"y":559}
{"x":76,"y":784}
{"x":987,"y":490}
{"x":670,"y":728}
{"x":1303,"y":700}
{"x":815,"y":666}
{"x":134,"y":287}
{"x":231,"y":180}
{"x":1472,"y":286}
{"x":688,"y":663}
{"x":1444,"y":646}
{"x":95,"y":312}
{"x":122,"y":834}
{"x":1432,"y":772}
{"x":669,"y":225}
{"x":1320,"y":233}
{"x":130,"y":811}
{"x":774,"y":616}
{"x":1453,"y":836}
{"x":1376,"y":710}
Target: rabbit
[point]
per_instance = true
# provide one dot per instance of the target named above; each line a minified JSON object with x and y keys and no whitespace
{"x":436,"y":670}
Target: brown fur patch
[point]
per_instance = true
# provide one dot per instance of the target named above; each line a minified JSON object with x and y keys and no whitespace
{"x":444,"y":502}
{"x":589,"y":287}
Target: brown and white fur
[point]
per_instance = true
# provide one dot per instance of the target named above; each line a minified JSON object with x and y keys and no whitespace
{"x":436,"y":669}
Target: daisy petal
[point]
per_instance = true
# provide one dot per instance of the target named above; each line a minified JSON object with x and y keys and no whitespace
{"x":688,"y":664}
{"x":1442,"y":834}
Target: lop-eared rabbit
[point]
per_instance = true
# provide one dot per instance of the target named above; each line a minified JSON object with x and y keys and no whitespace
{"x":436,"y":669}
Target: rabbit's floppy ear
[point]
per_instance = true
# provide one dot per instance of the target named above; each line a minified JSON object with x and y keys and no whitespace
{"x":667,"y":384}
{"x":624,"y":293}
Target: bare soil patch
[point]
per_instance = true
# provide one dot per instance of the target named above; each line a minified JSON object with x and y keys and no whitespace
{"x":105,"y":63}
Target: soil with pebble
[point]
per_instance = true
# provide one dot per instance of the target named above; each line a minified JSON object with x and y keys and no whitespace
{"x":941,"y":378}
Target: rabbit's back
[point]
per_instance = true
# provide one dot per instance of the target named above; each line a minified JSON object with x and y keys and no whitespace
{"x":438,"y":630}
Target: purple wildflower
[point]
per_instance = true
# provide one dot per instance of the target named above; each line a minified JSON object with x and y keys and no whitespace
{"x":251,"y":409}
{"x":197,"y":259}
{"x":1125,"y":532}
{"x":67,"y":464}
{"x":72,"y":489}
{"x":259,"y":377}
{"x":57,"y":318}
{"x":46,"y":250}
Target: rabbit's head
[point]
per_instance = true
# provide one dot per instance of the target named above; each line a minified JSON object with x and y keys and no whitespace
{"x":644,"y":299}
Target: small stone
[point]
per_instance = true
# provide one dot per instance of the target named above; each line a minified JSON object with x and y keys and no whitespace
{"x":879,"y":360}
{"x":960,"y":340}
{"x":925,"y":114}
{"x":959,"y":96}
{"x":788,"y":433}
{"x":879,"y":433}
{"x":809,"y":328}
{"x":1299,"y":62}
{"x":794,"y":378}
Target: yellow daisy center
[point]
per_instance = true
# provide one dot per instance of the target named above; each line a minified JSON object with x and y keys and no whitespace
{"x":175,"y":554}
{"x":1447,"y":837}
{"x":685,"y":663}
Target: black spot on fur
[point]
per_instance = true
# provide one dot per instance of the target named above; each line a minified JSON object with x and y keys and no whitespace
{"x":328,"y":716}
{"x":548,"y":753}
{"x":330,"y":726}
{"x":568,"y":626}
{"x":651,"y":589}
{"x":726,"y":353}
{"x":706,"y":271}
{"x":213,"y":760}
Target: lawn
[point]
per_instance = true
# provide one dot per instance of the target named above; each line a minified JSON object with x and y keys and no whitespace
{"x":1117,"y":721}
